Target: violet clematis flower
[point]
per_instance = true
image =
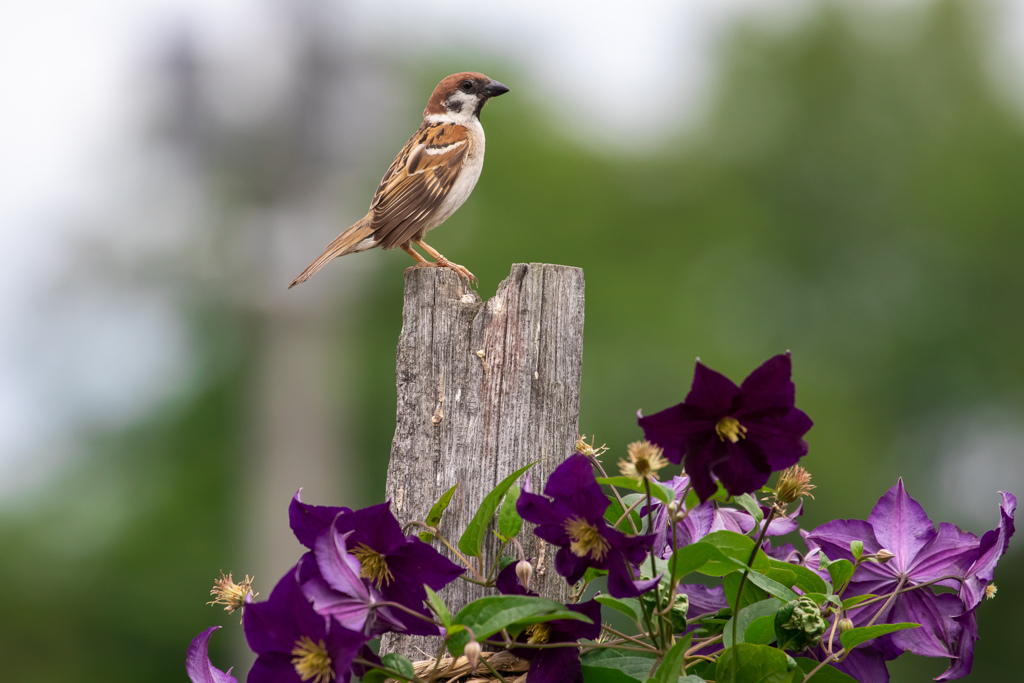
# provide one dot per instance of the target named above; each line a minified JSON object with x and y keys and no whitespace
{"x":738,"y":434}
{"x":198,"y":665}
{"x":396,"y":565}
{"x":572,"y":517}
{"x":294,"y":643}
{"x":946,"y":557}
{"x":991,"y":547}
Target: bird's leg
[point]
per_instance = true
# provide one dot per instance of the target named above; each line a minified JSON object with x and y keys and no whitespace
{"x":420,"y":261}
{"x":445,"y":263}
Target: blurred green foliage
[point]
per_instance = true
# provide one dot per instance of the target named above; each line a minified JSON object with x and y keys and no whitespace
{"x":853,"y":195}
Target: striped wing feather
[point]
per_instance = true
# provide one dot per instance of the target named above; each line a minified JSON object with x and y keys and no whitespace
{"x":417,"y":183}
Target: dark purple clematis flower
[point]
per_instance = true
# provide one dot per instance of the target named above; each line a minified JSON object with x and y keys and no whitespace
{"x":947,"y":556}
{"x":572,"y":517}
{"x":394,"y":564}
{"x":560,"y":664}
{"x":294,"y":643}
{"x":330,"y":578}
{"x":738,"y":434}
{"x":308,"y":521}
{"x":198,"y":665}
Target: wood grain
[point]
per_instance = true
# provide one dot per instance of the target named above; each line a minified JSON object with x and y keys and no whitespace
{"x":483,"y":389}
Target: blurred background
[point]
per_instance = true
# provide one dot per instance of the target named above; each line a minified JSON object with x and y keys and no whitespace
{"x":736,"y":178}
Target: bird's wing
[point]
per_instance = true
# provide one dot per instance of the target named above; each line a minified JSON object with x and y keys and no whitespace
{"x":417,"y":183}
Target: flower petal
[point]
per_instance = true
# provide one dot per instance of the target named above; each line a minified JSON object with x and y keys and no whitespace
{"x":769,"y":386}
{"x":713,"y":392}
{"x":901,"y":526}
{"x":198,"y":665}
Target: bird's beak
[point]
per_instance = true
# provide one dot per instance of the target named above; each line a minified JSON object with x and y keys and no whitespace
{"x":494,"y":88}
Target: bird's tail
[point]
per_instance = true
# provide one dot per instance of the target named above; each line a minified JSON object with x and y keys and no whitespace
{"x":345,"y":243}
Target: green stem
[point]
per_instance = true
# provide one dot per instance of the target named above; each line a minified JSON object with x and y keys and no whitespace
{"x":743,"y":580}
{"x":615,"y":492}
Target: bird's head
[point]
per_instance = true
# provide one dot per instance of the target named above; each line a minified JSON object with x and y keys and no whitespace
{"x":460,"y":97}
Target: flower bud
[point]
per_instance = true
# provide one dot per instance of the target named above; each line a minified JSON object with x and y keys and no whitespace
{"x":472,"y":652}
{"x":883,"y":556}
{"x":524,"y":570}
{"x":799,"y":624}
{"x":845,"y":624}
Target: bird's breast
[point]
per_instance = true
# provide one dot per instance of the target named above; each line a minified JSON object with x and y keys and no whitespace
{"x":466,"y":180}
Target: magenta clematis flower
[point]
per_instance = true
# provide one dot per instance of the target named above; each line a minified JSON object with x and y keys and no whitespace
{"x":947,"y":557}
{"x":198,"y":665}
{"x":739,"y":435}
{"x":570,"y":514}
{"x":294,"y":643}
{"x":396,"y":565}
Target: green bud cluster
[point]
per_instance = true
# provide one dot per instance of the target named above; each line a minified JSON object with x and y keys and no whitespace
{"x":799,"y":625}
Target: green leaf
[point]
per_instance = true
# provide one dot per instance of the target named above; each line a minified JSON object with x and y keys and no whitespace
{"x":472,"y":539}
{"x":399,"y":663}
{"x":756,"y":664}
{"x":692,"y":557}
{"x":857,"y":599}
{"x":735,"y":546}
{"x":806,"y":579}
{"x":658,"y":490}
{"x":628,"y":606}
{"x":772,"y":587}
{"x":827,"y":674}
{"x":761,"y":631}
{"x":751,"y":592}
{"x":855,"y":636}
{"x":438,"y":606}
{"x":434,"y":516}
{"x":857,"y":548}
{"x":634,"y":668}
{"x":604,"y":674}
{"x":762,"y":608}
{"x":840,"y":571}
{"x":750,"y":504}
{"x":784,"y":576}
{"x":672,"y":665}
{"x":614,"y":512}
{"x":509,"y":521}
{"x":488,"y":615}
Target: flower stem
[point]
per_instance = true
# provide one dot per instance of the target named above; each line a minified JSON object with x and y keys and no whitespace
{"x":743,"y":580}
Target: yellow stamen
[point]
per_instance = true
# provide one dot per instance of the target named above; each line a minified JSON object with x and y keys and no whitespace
{"x":645,"y":459}
{"x":587,"y":541}
{"x":730,"y":428}
{"x":794,"y":483}
{"x":373,"y":565}
{"x":311,"y":660}
{"x":990,"y":591}
{"x":538,"y":634}
{"x":230,"y":594}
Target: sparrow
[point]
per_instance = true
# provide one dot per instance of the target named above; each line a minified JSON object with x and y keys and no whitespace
{"x":429,"y":179}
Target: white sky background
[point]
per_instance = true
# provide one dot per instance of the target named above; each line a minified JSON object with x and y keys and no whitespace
{"x":69,"y":72}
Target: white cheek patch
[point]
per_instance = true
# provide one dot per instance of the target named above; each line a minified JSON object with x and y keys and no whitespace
{"x":461,"y":106}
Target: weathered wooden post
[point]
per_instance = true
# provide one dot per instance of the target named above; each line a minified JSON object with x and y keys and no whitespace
{"x":483,"y":389}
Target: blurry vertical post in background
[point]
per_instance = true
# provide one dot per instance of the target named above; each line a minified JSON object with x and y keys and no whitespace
{"x":483,"y":390}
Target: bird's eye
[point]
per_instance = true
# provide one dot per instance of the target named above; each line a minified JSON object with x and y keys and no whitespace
{"x":466,"y":86}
